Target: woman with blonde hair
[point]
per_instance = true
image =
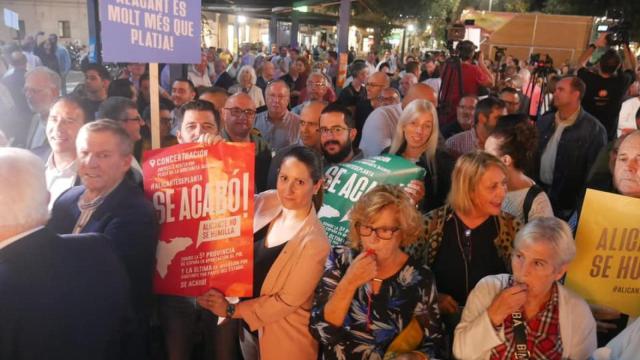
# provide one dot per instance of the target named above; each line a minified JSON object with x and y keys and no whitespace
{"x":372,"y":291}
{"x":247,"y":83}
{"x":470,"y":237}
{"x":416,"y":139}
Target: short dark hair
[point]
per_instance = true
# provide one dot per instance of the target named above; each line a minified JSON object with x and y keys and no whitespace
{"x":144,"y":77}
{"x":610,"y":61}
{"x":99,"y":69}
{"x":332,"y":54}
{"x":339,"y":108}
{"x":509,"y":90}
{"x":356,"y":67}
{"x":76,"y":101}
{"x":114,"y":108}
{"x":465,"y":50}
{"x":486,"y":106}
{"x":576,"y":84}
{"x":120,"y":88}
{"x":193,"y":87}
{"x":412,"y":67}
{"x":200,"y":105}
{"x":213,"y":90}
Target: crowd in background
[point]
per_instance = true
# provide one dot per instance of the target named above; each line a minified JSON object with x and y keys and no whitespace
{"x":443,"y":267}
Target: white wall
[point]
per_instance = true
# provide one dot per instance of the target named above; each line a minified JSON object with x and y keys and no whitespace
{"x":43,"y":15}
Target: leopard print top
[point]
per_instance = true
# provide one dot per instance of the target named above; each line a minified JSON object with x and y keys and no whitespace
{"x":428,"y":246}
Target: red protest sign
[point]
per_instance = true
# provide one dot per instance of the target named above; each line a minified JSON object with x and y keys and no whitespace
{"x":203,"y":196}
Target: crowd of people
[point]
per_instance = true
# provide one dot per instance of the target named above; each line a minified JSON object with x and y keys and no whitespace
{"x":466,"y":263}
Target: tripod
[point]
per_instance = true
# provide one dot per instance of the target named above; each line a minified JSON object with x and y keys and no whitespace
{"x":539,"y":74}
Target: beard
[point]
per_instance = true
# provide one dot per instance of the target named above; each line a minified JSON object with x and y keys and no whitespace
{"x":340,"y":155}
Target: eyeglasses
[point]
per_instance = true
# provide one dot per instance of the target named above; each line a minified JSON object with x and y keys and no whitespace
{"x":336,"y":130}
{"x":383,"y":233}
{"x":316,"y":84}
{"x":135,"y":119}
{"x":237,"y":112}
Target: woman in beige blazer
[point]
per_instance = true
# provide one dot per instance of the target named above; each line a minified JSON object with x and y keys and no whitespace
{"x":290,"y":249}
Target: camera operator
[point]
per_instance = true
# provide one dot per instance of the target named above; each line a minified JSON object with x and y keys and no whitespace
{"x":474,"y":76}
{"x":607,"y":86}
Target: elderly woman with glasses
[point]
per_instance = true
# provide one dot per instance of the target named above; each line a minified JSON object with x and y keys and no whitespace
{"x":470,"y":237}
{"x":247,"y":83}
{"x":373,"y":291}
{"x":529,"y":312}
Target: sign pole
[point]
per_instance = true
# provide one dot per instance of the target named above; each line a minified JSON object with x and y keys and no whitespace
{"x":154,"y":82}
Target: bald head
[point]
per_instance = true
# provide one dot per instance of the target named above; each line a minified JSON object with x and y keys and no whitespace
{"x":18,"y":60}
{"x":420,"y":91}
{"x":626,"y":173}
{"x":310,"y":123}
{"x":375,"y":83}
{"x":21,"y":178}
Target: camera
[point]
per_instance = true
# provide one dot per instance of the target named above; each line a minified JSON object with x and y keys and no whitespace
{"x":616,"y":27}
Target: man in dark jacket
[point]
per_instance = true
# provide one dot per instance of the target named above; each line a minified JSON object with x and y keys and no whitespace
{"x":570,"y":139}
{"x":109,"y":204}
{"x":63,"y":297}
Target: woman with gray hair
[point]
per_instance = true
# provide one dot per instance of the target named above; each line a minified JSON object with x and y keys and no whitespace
{"x":529,"y":313}
{"x":247,"y":83}
{"x":416,"y":139}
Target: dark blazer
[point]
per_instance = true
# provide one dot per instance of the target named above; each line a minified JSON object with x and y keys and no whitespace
{"x":577,"y":151}
{"x":62,"y":297}
{"x":128,"y":219}
{"x":224,"y":81}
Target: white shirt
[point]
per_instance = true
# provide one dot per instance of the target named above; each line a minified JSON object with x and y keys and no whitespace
{"x":627,"y":118}
{"x":379,"y":128}
{"x":625,"y":346}
{"x":6,"y":242}
{"x":254,"y":92}
{"x":514,"y":202}
{"x":59,"y":180}
{"x":199,"y":79}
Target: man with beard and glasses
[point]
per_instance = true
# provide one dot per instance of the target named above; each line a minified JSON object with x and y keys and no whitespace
{"x":337,"y":133}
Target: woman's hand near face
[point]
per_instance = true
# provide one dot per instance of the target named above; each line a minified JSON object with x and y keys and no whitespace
{"x":362,"y":269}
{"x":214,"y":301}
{"x":507,"y":302}
{"x":415,"y":190}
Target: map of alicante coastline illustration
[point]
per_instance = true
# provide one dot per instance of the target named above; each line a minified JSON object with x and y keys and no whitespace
{"x":167,"y":251}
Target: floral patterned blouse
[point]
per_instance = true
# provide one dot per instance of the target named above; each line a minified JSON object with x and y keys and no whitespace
{"x":371,"y":325}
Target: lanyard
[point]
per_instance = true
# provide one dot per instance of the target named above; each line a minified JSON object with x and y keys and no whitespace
{"x":520,"y":336}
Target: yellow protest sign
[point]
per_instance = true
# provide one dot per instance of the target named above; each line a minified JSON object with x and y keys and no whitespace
{"x":606,"y":270}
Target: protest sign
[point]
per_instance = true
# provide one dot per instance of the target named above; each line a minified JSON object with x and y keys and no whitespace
{"x":156,"y":31}
{"x":606,"y":270}
{"x":346,"y":183}
{"x":203,"y":197}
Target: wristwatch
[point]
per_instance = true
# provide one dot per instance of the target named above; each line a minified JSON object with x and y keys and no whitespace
{"x":231,"y":308}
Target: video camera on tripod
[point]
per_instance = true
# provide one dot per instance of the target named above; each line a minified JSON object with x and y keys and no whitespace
{"x":542,"y":64}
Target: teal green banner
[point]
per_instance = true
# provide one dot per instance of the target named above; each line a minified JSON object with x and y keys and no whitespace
{"x":346,"y":183}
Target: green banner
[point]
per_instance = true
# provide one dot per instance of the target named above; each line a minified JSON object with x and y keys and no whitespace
{"x":345,"y":183}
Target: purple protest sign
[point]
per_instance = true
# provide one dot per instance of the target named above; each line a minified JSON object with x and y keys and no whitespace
{"x":163,"y":31}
